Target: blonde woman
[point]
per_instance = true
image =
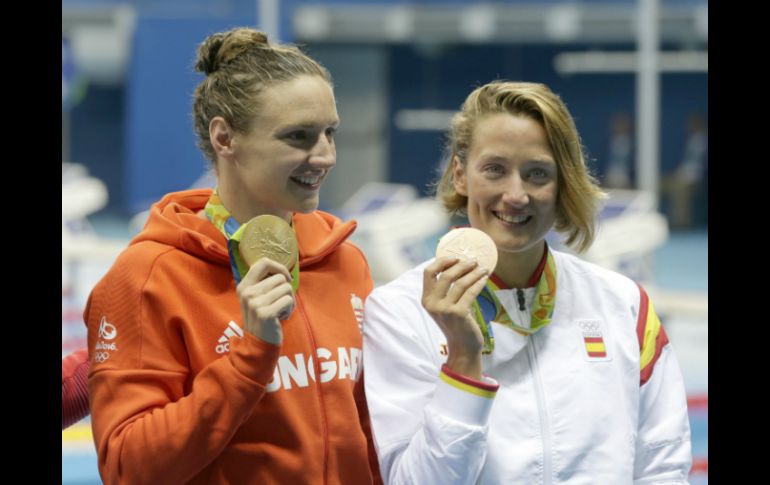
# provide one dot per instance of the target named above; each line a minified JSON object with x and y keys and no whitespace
{"x":573,"y":379}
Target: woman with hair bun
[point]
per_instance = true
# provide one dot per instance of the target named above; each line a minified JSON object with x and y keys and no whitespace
{"x":210,"y":364}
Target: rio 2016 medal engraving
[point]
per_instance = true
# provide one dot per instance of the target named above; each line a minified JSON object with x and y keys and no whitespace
{"x":469,"y":243}
{"x":271,"y":237}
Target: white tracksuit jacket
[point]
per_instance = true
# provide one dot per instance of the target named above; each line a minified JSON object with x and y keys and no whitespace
{"x":559,"y":415}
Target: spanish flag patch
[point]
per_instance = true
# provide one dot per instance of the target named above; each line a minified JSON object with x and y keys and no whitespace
{"x":593,"y":340}
{"x":595,"y":346}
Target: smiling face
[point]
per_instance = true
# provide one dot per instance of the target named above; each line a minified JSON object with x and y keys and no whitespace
{"x":510,"y":179}
{"x":278,"y":165}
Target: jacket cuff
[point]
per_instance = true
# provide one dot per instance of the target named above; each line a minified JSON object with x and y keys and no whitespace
{"x":254,"y":357}
{"x":464,"y":399}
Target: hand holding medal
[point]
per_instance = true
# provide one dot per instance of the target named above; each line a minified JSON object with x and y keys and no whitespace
{"x":268,"y":246}
{"x":465,"y":257}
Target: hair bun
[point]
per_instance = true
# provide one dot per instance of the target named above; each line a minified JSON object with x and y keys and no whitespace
{"x":219,"y":49}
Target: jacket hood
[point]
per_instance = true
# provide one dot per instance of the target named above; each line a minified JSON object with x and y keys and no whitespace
{"x":175,"y":221}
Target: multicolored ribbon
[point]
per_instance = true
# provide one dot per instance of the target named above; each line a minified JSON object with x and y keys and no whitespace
{"x":487,"y":307}
{"x":233,"y":230}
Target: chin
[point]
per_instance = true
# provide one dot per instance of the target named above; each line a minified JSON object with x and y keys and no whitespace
{"x":307,"y":207}
{"x":507,"y":246}
{"x":511,"y":248}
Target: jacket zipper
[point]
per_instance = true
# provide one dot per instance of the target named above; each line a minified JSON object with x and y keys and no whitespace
{"x":545,"y":431}
{"x":520,"y":298}
{"x":317,"y":380}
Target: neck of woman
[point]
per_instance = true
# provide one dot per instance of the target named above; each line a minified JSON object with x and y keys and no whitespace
{"x":517,"y":268}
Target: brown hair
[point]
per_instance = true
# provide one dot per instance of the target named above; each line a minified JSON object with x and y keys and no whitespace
{"x":238,"y":65}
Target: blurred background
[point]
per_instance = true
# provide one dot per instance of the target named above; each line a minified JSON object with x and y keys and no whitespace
{"x":634,"y":74}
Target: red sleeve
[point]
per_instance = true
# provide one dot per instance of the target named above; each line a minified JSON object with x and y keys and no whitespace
{"x":74,"y":388}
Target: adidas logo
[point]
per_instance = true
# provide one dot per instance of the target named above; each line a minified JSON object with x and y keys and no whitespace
{"x":231,"y":331}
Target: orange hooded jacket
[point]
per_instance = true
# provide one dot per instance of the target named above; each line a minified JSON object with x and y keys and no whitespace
{"x":181,"y":393}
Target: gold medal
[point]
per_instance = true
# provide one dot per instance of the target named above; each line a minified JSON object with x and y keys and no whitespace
{"x":269,"y":237}
{"x":469,"y":243}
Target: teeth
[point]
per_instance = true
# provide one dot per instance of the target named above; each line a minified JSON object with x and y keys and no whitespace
{"x":308,"y":180}
{"x":511,"y":219}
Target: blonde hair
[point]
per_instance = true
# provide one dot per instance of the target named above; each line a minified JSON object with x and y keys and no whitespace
{"x":239,"y":64}
{"x":578,"y":191}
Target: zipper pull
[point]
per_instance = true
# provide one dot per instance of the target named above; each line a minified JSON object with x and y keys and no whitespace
{"x":520,"y":297}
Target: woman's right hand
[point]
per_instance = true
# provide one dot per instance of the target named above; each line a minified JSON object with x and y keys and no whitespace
{"x":449,"y":288}
{"x":266,"y":298}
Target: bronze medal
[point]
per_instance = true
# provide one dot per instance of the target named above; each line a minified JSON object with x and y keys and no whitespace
{"x":469,"y":243}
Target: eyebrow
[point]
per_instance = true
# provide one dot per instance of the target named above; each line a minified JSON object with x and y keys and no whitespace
{"x":291,"y":126}
{"x":494,"y":157}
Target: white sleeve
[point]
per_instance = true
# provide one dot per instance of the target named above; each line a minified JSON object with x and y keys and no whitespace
{"x":663,"y":450}
{"x":427,"y":426}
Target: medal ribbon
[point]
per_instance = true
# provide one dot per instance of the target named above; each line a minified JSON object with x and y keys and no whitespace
{"x":487,"y":308}
{"x":233,"y":230}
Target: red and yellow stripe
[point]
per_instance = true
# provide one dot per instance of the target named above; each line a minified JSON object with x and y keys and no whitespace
{"x":652,"y":337}
{"x":481,"y":389}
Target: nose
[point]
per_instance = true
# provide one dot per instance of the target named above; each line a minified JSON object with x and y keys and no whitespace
{"x":515,"y":193}
{"x":324,"y":153}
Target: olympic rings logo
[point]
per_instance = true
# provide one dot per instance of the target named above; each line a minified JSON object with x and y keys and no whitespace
{"x":590,"y":327}
{"x":101,"y":356}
